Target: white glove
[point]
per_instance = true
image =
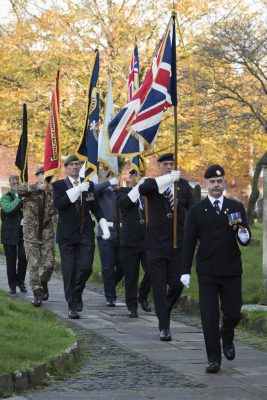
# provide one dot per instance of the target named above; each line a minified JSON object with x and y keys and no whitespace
{"x":74,"y":193}
{"x":105,"y":229}
{"x":84,"y":186}
{"x":185,"y":279}
{"x":164,"y":181}
{"x":114,"y":181}
{"x":134,"y":194}
{"x":243,"y":235}
{"x":175,"y":175}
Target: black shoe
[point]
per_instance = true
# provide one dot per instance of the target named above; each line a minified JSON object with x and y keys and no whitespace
{"x":80,"y":306}
{"x":12,"y":290}
{"x":165,"y":335}
{"x":73,"y":314}
{"x":110,"y":303}
{"x":229,"y":351}
{"x":37,"y":298}
{"x":133,"y":314}
{"x":144,"y":305}
{"x":22,"y":288}
{"x":45,"y":294}
{"x":213,"y":367}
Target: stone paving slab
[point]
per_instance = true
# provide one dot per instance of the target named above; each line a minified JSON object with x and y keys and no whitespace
{"x":126,"y":360}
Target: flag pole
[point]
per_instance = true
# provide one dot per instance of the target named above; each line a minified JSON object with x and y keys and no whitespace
{"x":174,"y":82}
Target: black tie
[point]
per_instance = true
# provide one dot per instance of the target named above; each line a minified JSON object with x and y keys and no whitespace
{"x":216,"y":206}
{"x":170,"y":197}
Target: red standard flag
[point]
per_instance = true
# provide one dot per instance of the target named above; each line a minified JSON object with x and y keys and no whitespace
{"x":52,"y":145}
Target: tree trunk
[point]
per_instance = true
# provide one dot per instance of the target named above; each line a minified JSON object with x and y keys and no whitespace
{"x":264,"y":255}
{"x":254,"y":189}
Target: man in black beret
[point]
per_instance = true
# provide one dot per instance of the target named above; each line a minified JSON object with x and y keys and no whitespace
{"x":218,"y":264}
{"x":163,"y":261}
{"x":133,"y":252}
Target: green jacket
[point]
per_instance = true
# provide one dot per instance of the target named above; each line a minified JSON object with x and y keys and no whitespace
{"x":11,"y":216}
{"x":10,"y":202}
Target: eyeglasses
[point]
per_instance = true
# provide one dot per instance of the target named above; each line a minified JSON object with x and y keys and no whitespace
{"x":168,"y":163}
{"x":219,"y":180}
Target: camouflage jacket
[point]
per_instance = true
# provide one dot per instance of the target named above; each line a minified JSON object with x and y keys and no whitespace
{"x":38,"y":213}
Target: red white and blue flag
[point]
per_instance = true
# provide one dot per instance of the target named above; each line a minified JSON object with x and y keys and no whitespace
{"x":133,"y":77}
{"x":139,"y":120}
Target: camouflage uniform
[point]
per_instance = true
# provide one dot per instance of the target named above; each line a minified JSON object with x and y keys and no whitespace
{"x":39,"y":233}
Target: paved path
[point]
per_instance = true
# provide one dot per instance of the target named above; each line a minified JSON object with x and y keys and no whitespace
{"x":126,"y":360}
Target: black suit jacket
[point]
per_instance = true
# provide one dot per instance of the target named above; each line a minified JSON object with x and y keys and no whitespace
{"x":160,"y":227}
{"x":132,"y":230}
{"x":218,"y":252}
{"x":68,"y":227}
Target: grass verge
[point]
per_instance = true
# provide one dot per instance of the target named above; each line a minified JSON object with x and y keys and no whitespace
{"x":29,"y":336}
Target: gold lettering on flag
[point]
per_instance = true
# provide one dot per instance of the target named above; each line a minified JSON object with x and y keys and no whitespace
{"x":54,"y":156}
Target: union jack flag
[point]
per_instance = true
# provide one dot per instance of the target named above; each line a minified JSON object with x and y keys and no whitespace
{"x":133,"y":77}
{"x":139,"y":120}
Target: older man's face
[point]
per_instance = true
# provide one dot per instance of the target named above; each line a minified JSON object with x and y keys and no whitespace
{"x":165,"y":167}
{"x":215,"y":186}
{"x":14,"y":183}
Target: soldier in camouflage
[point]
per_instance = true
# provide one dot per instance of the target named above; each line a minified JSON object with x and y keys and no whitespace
{"x":39,"y":234}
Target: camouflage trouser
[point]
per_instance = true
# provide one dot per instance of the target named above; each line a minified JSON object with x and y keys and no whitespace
{"x":41,"y":261}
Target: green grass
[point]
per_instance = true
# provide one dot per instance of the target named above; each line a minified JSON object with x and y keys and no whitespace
{"x":252,"y":272}
{"x":29,"y":336}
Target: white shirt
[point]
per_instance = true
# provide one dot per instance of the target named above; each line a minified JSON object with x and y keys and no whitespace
{"x":73,"y":180}
{"x":220,"y":199}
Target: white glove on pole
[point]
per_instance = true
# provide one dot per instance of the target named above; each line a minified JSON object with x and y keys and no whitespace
{"x":105,"y":229}
{"x":243,"y":235}
{"x":134,"y":194}
{"x":84,"y":186}
{"x":114,"y":181}
{"x":185,"y":279}
{"x":175,"y":175}
{"x":74,"y":193}
{"x":164,"y":181}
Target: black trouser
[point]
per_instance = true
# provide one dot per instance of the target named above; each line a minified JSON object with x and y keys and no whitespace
{"x":111,"y":267}
{"x":76,"y":264}
{"x":131,"y":257}
{"x":164,"y":272}
{"x":15,"y":275}
{"x":228,"y":291}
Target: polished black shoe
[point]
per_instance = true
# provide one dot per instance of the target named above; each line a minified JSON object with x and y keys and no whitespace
{"x":73,"y":314}
{"x":133,"y":314}
{"x":229,"y":351}
{"x":80,"y":306}
{"x":22,"y":288}
{"x":37,"y":298}
{"x":165,"y":335}
{"x":213,"y":367}
{"x":45,"y":294}
{"x":110,"y":303}
{"x":144,"y":305}
{"x":12,"y":290}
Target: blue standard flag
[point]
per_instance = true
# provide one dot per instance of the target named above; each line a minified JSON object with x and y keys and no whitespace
{"x":88,"y":147}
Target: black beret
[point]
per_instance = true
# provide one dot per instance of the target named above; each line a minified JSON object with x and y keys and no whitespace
{"x":132,"y":172}
{"x":40,"y":170}
{"x":166,"y":157}
{"x":214,"y":171}
{"x":71,"y":158}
